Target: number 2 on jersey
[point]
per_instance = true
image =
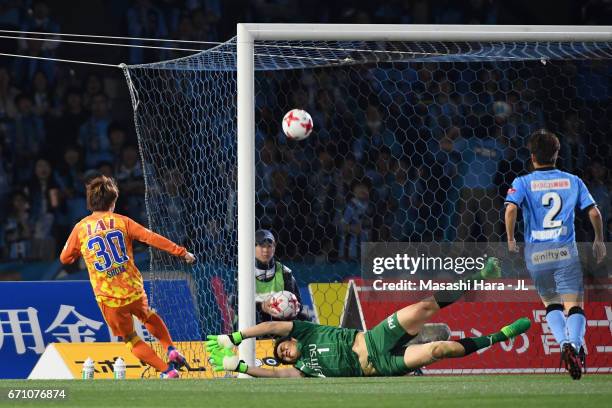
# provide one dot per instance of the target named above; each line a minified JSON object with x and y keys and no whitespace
{"x":552,"y":200}
{"x":109,"y":249}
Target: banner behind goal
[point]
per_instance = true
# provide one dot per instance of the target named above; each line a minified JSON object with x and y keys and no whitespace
{"x":413,"y":141}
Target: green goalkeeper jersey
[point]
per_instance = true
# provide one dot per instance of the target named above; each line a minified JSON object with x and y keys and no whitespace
{"x":325,"y":351}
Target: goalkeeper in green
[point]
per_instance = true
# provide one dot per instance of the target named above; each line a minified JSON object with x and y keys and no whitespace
{"x":324,"y":351}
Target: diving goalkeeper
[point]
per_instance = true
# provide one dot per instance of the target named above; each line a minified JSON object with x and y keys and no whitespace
{"x":324,"y":351}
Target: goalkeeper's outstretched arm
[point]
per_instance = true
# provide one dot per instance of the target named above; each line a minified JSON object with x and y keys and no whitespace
{"x":278,"y":329}
{"x":226,"y":360}
{"x":259,"y":372}
{"x":267,"y":329}
{"x":223,"y":357}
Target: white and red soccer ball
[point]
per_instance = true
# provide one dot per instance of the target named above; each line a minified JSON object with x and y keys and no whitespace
{"x":283,"y":305}
{"x":297,"y":124}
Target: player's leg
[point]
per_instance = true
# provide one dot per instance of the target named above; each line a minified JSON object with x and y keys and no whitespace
{"x":546,"y":286}
{"x":573,"y":354}
{"x":384,"y":340}
{"x":555,"y":317}
{"x":413,"y":317}
{"x":145,"y":353}
{"x":576,"y":319}
{"x":423,"y":354}
{"x":156,"y":326}
{"x":570,"y":286}
{"x":120,"y":320}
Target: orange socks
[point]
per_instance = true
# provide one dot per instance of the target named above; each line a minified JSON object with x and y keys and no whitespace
{"x":140,"y":349}
{"x":145,"y":353}
{"x":155,"y":325}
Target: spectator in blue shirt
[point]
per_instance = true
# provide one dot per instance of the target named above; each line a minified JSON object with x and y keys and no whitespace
{"x":93,"y":134}
{"x":479,"y":201}
{"x":145,"y":20}
{"x":374,"y":137}
{"x":27,"y":137}
{"x":130,"y":177}
{"x":40,"y":21}
{"x":93,"y":87}
{"x":66,"y":126}
{"x":70,"y":178}
{"x":24,"y":69}
{"x":45,"y":202}
{"x":17,"y":229}
{"x":356,"y":223}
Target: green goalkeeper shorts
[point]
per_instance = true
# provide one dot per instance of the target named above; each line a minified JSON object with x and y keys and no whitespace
{"x":385,"y":347}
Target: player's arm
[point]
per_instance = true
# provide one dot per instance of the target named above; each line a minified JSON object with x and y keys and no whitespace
{"x":224,"y":359}
{"x":262,"y":329}
{"x":599,"y":248}
{"x":71,"y":251}
{"x":587,"y":203}
{"x":514,"y":198}
{"x":259,"y":372}
{"x":142,"y":234}
{"x":268,"y":329}
{"x":510,"y":220}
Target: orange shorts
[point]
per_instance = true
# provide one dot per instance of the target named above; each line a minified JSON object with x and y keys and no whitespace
{"x":120,"y":320}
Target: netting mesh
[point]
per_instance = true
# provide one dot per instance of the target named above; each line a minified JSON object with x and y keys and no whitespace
{"x":412,"y":142}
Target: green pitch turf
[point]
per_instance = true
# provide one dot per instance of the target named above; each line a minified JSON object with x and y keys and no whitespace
{"x":554,"y":391}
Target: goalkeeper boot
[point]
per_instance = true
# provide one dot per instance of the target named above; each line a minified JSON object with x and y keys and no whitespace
{"x":518,"y":327}
{"x":177,"y":359}
{"x":492,"y":269}
{"x":572,"y":362}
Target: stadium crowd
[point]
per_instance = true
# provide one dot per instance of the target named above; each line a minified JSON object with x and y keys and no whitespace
{"x":442,"y":177}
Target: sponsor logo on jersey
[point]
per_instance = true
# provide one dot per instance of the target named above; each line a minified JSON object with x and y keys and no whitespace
{"x":511,"y":190}
{"x":550,"y":255}
{"x":554,"y":184}
{"x":390,"y":322}
{"x":313,"y":364}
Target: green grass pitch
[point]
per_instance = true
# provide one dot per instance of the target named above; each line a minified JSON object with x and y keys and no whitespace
{"x":500,"y":391}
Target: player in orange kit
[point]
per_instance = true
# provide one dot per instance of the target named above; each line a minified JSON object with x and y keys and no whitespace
{"x":104,"y":239}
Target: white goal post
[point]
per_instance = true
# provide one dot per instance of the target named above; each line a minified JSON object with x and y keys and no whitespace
{"x":247,"y":34}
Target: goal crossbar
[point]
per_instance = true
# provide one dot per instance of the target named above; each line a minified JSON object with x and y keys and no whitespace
{"x":424,"y":32}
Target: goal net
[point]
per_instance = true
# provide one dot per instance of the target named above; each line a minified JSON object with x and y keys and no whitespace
{"x":412,"y":142}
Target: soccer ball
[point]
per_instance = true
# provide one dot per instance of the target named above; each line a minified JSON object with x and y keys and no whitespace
{"x":283,"y":305}
{"x":297,"y":124}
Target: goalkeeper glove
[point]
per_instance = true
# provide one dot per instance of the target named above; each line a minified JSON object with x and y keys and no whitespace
{"x":223,"y":340}
{"x":225,"y":360}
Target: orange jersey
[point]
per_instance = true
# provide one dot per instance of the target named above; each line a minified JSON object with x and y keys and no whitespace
{"x":104,"y":239}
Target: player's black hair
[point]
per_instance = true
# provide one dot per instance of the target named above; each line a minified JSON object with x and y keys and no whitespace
{"x":277,"y":343}
{"x":544,"y":145}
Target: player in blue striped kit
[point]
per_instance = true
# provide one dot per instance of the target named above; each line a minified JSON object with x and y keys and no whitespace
{"x":548,"y":198}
